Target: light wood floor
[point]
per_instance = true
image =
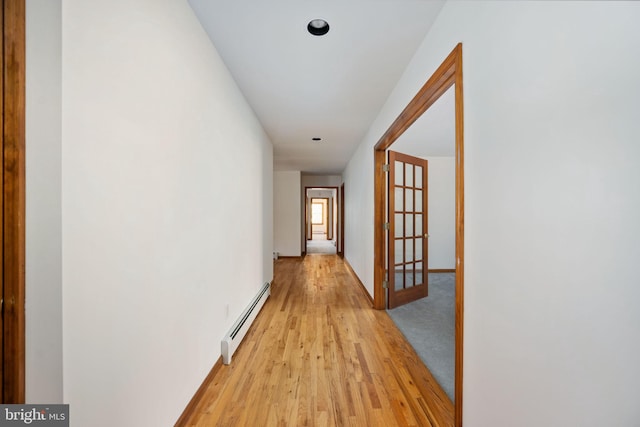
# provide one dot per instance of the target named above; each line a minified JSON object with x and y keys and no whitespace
{"x":318,"y":355}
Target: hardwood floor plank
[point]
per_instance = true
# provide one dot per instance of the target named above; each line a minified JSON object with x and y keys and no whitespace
{"x":318,"y":355}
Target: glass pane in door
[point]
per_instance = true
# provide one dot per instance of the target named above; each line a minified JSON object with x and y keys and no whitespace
{"x":399,"y":225}
{"x":409,"y":275}
{"x":409,"y":200}
{"x":419,"y":241}
{"x":418,"y":200}
{"x":419,"y":273}
{"x":408,"y":255}
{"x":399,"y":251}
{"x":399,"y":175}
{"x":408,"y":231}
{"x":399,"y":277}
{"x":408,"y":173}
{"x":399,"y":200}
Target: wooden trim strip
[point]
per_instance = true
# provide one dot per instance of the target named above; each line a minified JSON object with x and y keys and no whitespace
{"x":192,"y":407}
{"x":341,"y":224}
{"x":431,"y":270}
{"x":379,"y":250}
{"x":459,"y":234}
{"x":13,"y":194}
{"x":355,"y":276}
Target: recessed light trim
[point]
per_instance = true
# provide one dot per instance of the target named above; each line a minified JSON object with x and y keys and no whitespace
{"x":318,"y":27}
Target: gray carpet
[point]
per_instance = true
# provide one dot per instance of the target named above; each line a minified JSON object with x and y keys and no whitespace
{"x":429,"y":326}
{"x":320,"y":247}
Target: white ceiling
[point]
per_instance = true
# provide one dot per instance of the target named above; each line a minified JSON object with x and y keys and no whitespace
{"x":303,"y":86}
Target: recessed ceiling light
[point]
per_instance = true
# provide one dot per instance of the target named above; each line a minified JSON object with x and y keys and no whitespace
{"x":318,"y":27}
{"x":316,"y":139}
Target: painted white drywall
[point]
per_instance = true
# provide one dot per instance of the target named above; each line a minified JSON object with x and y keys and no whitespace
{"x":166,"y":209}
{"x":358,"y":209}
{"x":442,"y":212}
{"x":321,"y":180}
{"x":43,"y":369}
{"x":287,"y":213}
{"x":552,"y":206}
{"x":321,"y":193}
{"x":267,"y":195}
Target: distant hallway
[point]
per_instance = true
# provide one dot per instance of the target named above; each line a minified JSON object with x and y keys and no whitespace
{"x":317,"y":354}
{"x":319,"y":246}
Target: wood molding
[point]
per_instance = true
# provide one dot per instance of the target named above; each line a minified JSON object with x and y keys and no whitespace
{"x":341,"y":224}
{"x":448,"y":74}
{"x":330,"y":219}
{"x":459,"y":234}
{"x":379,"y":241}
{"x":431,"y":270}
{"x":192,"y":406}
{"x":13,"y":194}
{"x":357,"y":279}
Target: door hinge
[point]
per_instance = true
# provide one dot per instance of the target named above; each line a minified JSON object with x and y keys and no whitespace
{"x":386,"y":226}
{"x":386,"y":167}
{"x":385,"y":284}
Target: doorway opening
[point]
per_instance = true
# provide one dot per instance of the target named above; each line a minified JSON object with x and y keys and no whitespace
{"x":448,"y":75}
{"x":322,"y":221}
{"x":426,"y":218}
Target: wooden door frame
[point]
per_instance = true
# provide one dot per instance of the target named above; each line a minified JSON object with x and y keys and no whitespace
{"x":447,"y":74}
{"x":325,"y":214}
{"x":12,"y":82}
{"x":306,"y":213}
{"x":330,"y":218}
{"x":341,"y":222}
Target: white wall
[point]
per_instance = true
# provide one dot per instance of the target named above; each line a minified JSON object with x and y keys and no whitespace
{"x":442,"y":212}
{"x":552,"y":207}
{"x":321,"y":180}
{"x":358,"y":209}
{"x":267,"y":195}
{"x":43,"y":202}
{"x":160,"y":154}
{"x":287,"y":213}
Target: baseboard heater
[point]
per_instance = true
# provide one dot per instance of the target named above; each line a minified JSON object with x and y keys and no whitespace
{"x":234,"y":337}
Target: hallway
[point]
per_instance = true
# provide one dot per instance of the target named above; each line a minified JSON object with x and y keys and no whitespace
{"x":319,"y":355}
{"x":321,"y":247}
